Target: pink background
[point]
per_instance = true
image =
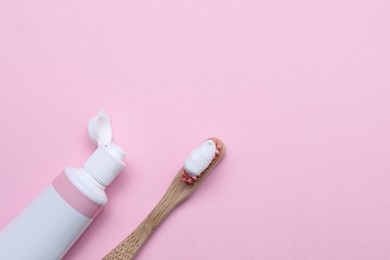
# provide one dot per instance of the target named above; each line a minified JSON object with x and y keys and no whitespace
{"x":298,"y":90}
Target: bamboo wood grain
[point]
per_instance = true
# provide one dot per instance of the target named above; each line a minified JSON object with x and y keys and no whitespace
{"x":177,"y":192}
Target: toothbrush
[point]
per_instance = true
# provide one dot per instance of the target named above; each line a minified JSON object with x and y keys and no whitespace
{"x":196,"y":168}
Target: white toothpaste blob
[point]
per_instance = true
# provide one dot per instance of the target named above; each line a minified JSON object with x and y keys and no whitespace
{"x":200,"y":158}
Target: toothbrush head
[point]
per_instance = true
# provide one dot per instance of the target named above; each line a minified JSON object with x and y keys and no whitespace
{"x":200,"y":160}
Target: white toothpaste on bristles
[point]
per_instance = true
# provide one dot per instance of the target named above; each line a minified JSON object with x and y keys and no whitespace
{"x":200,"y":158}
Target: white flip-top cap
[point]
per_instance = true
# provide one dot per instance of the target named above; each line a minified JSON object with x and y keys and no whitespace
{"x":107,"y":160}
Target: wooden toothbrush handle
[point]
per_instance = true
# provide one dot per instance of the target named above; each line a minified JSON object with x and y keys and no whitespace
{"x":177,"y":192}
{"x":129,"y":247}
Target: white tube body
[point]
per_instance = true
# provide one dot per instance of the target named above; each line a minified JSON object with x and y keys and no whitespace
{"x":50,"y":224}
{"x":39,"y":233}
